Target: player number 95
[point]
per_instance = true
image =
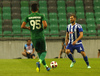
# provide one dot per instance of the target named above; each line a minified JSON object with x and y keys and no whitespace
{"x":35,"y":23}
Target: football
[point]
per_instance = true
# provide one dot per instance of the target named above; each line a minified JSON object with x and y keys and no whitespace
{"x":53,"y":64}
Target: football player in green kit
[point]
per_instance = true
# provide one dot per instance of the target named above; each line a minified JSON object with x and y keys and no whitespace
{"x":36,"y":20}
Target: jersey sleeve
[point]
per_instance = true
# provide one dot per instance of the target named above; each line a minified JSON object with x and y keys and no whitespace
{"x":25,"y":47}
{"x":32,"y":46}
{"x":80,"y":29}
{"x":26,"y":19}
{"x":43,"y":18}
{"x":67,"y":29}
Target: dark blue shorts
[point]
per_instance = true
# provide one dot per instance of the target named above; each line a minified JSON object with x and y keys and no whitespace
{"x":78,"y":47}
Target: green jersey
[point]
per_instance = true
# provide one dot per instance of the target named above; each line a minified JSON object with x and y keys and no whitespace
{"x":36,"y":27}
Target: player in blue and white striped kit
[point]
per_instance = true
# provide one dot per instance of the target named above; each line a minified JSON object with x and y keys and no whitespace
{"x":73,"y":40}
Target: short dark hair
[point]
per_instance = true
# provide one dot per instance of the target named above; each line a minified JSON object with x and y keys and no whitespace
{"x":73,"y":15}
{"x":34,"y":6}
{"x":28,"y":39}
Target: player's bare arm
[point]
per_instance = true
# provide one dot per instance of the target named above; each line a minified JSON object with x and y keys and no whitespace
{"x":66,"y":39}
{"x":80,"y":37}
{"x":44,"y":24}
{"x":64,"y":47}
{"x":24,"y":50}
{"x":33,"y":50}
{"x":24,"y":27}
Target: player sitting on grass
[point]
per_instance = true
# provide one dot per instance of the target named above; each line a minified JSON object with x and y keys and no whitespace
{"x":73,"y":40}
{"x":35,"y":21}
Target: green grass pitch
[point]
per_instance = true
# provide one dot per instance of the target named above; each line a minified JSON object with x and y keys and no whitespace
{"x":26,"y":67}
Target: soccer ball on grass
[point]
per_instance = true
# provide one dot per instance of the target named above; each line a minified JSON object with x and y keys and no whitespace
{"x":53,"y":64}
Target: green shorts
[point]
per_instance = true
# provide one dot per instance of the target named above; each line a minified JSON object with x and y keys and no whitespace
{"x":39,"y":44}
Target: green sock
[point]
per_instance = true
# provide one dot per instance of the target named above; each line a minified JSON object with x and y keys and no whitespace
{"x":42,"y":56}
{"x":43,"y":62}
{"x":45,"y":65}
{"x":40,"y":61}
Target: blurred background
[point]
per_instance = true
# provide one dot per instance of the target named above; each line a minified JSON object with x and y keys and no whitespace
{"x":57,"y":12}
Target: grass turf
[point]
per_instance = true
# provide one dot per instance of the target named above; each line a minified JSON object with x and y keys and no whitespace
{"x":26,"y":67}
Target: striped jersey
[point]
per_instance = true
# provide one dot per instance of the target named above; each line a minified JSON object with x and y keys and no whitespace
{"x":73,"y":31}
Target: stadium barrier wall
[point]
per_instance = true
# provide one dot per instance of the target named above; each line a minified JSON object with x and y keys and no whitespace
{"x":10,"y":49}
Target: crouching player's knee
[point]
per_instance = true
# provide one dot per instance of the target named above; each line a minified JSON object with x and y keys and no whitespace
{"x":23,"y":53}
